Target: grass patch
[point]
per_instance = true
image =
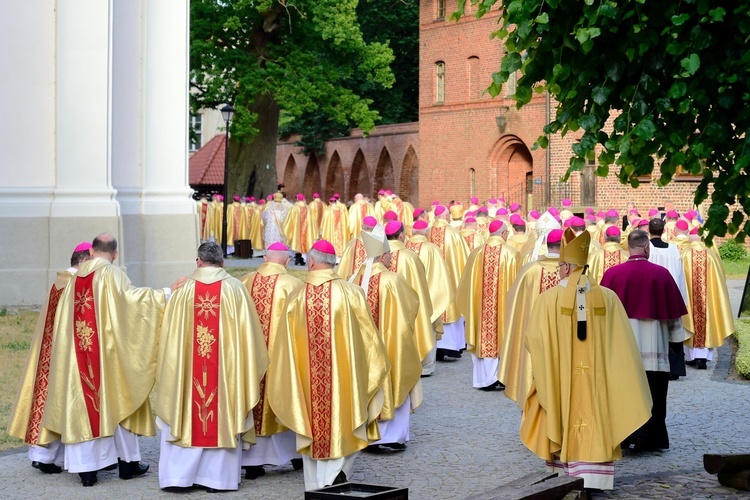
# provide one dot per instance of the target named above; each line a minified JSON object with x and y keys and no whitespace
{"x":742,"y":360}
{"x":736,"y":270}
{"x":15,"y":338}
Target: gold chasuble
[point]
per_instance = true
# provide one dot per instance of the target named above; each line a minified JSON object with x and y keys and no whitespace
{"x":514,"y":370}
{"x":299,"y":228}
{"x":353,"y":257}
{"x":269,"y":288}
{"x":254,"y":229}
{"x":611,"y":254}
{"x":358,"y":211}
{"x":408,"y":265}
{"x":441,"y":295}
{"x":217,"y":216}
{"x":588,"y":395}
{"x":335,"y":226}
{"x":481,"y":295}
{"x":393,"y":305}
{"x":518,"y":241}
{"x":316,"y":209}
{"x":211,"y":359}
{"x":103,"y":355}
{"x":473,"y":238}
{"x":235,"y":215}
{"x":709,"y":317}
{"x":28,"y":408}
{"x":328,"y":364}
{"x":454,"y":251}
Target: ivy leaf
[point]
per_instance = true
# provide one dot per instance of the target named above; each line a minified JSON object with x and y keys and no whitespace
{"x":600,"y":94}
{"x":691,"y":63}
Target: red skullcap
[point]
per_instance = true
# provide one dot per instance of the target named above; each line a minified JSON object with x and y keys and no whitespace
{"x":577,"y":221}
{"x":417,"y":212}
{"x":279,"y":246}
{"x":555,"y":236}
{"x":324,"y":246}
{"x":300,"y":197}
{"x":694,"y":230}
{"x":492,"y":201}
{"x":514,"y":207}
{"x":681,"y":225}
{"x":612,"y":231}
{"x":534,"y":214}
{"x":566,"y":202}
{"x":612,"y":213}
{"x":390,"y":215}
{"x":516,"y":220}
{"x":370,"y":221}
{"x":82,"y":246}
{"x":502,"y":211}
{"x":392,"y":227}
{"x":316,"y":195}
{"x":419,"y":225}
{"x":653,"y":212}
{"x":474,"y":200}
{"x":672,"y":214}
{"x":440,"y":210}
{"x":495,"y":225}
{"x":470,"y":220}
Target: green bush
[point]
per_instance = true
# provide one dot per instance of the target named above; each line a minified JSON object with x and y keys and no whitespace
{"x":733,"y":251}
{"x":742,"y":361}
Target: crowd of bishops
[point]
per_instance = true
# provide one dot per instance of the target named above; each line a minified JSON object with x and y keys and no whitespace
{"x":273,"y":370}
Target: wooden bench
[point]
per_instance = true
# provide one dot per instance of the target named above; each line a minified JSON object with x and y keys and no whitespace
{"x":537,"y":486}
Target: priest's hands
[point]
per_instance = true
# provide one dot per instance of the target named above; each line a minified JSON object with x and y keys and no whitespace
{"x":178,"y":284}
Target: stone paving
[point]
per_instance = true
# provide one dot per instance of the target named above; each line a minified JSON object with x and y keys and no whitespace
{"x":465,"y":442}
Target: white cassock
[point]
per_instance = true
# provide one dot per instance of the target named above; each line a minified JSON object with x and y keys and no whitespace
{"x":322,"y":473}
{"x":396,"y":430}
{"x":217,"y":468}
{"x":485,"y":371}
{"x":53,"y":453}
{"x":277,"y":449}
{"x":99,"y":453}
{"x":453,"y":336}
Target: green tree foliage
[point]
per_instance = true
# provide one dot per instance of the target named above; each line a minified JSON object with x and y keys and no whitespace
{"x":394,"y":23}
{"x":299,"y":56}
{"x":673,"y":75}
{"x":732,"y":251}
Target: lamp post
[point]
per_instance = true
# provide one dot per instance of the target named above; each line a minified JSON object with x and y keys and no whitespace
{"x":227,"y":112}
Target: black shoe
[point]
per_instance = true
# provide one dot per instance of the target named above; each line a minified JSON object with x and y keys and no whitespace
{"x":297,"y":463}
{"x":88,"y":478}
{"x":129,"y":470}
{"x":690,"y":363}
{"x":673,"y":377}
{"x":373,"y":448}
{"x":395,"y":446}
{"x":110,"y":467}
{"x":46,"y":468}
{"x":214,"y":490}
{"x":340,"y":479}
{"x":497,"y":386}
{"x":700,"y":364}
{"x":254,"y":471}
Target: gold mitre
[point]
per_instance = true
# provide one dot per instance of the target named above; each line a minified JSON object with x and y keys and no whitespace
{"x":575,"y":249}
{"x":457,"y":211}
{"x":277,"y":196}
{"x":376,"y":243}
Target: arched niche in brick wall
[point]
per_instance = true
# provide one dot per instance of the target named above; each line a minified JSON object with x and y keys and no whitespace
{"x":512,"y":162}
{"x":359,"y":177}
{"x":291,"y":177}
{"x":335,"y":178}
{"x":312,"y":176}
{"x":384,"y":175}
{"x":409,"y":187}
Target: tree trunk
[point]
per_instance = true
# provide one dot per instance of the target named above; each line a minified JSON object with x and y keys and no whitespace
{"x":252,"y":165}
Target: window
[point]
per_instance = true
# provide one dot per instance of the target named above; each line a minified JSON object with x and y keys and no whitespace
{"x":196,"y":132}
{"x":474,"y":89}
{"x":440,"y":9}
{"x":440,"y":82}
{"x":510,"y":85}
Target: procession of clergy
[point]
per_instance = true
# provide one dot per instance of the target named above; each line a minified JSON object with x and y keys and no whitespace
{"x":581,"y":323}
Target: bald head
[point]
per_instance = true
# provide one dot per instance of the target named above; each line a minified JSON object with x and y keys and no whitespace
{"x":104,"y":246}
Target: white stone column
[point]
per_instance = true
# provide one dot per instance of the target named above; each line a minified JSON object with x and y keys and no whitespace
{"x":150,"y":170}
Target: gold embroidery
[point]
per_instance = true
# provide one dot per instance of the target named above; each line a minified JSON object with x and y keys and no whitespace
{"x":84,"y":333}
{"x":203,"y":414}
{"x":207,"y":305}
{"x":580,"y":425}
{"x":83,"y":300}
{"x":89,"y":381}
{"x":205,"y":341}
{"x":582,"y":369}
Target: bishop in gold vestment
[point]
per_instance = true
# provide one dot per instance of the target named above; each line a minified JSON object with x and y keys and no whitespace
{"x":534,"y":278}
{"x":335,"y":226}
{"x":582,"y":348}
{"x":328,"y":364}
{"x":393,"y":305}
{"x":211,"y":359}
{"x":481,"y":296}
{"x":269,"y":288}
{"x":31,"y":398}
{"x":103,"y":366}
{"x":354,"y":253}
{"x":709,"y":318}
{"x":609,"y":255}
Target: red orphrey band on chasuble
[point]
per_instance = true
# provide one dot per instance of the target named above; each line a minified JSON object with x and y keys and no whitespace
{"x":549,"y":279}
{"x":394,"y":262}
{"x":87,"y":347}
{"x":699,"y":259}
{"x":414,"y":247}
{"x":262,"y":294}
{"x":490,"y":281}
{"x":373,"y":298}
{"x":206,"y":349}
{"x":318,"y":314}
{"x":41,"y":380}
{"x":360,"y":254}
